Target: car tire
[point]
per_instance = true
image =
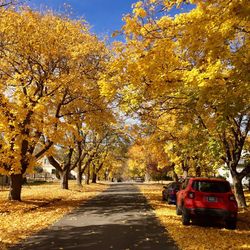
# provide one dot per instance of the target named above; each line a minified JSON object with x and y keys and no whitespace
{"x":231,"y":224}
{"x":185,"y":217}
{"x":178,"y":210}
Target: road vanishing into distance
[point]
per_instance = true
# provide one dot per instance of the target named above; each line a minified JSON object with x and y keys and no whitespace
{"x":119,"y":218}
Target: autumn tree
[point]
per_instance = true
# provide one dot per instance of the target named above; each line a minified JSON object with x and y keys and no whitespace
{"x":105,"y":149}
{"x":194,"y":65}
{"x":86,"y":146}
{"x":46,"y":65}
{"x":148,"y":159}
{"x":187,"y":145}
{"x":80,"y":147}
{"x":93,"y":158}
{"x":221,"y":59}
{"x":62,"y":162}
{"x":87,"y":114}
{"x":102,"y":153}
{"x":115,"y":153}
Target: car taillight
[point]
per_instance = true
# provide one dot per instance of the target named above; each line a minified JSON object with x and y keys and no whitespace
{"x":191,"y":195}
{"x":231,"y":197}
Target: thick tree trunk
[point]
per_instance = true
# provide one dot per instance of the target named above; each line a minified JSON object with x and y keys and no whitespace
{"x":232,"y":158}
{"x":79,"y":179}
{"x":238,"y":188}
{"x":16,"y":181}
{"x":64,"y":177}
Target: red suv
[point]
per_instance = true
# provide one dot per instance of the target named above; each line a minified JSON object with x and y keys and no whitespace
{"x":206,"y":198}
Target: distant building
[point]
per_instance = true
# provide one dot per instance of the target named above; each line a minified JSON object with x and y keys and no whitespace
{"x":48,"y":168}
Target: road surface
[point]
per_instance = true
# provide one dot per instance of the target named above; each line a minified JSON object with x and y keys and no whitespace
{"x":119,"y":218}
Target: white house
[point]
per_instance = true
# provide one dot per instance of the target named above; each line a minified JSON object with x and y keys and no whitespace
{"x":224,"y":171}
{"x":48,"y":168}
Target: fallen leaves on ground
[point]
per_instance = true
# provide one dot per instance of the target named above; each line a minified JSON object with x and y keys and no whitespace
{"x":42,"y":205}
{"x":199,"y":236}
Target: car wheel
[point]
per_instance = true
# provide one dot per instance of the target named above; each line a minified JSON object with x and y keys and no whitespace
{"x":185,"y":217}
{"x":178,"y":210}
{"x":231,"y":224}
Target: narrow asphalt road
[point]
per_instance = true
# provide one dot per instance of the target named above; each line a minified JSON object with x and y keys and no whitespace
{"x":119,"y":218}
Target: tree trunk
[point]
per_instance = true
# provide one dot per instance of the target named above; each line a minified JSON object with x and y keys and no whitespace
{"x":185,"y":174}
{"x":16,"y":181}
{"x":64,"y":177}
{"x":79,"y":179}
{"x":147,"y":176}
{"x":238,"y":190}
{"x":106,"y":173}
{"x":88,"y":175}
{"x":198,"y":171}
{"x":175,"y":176}
{"x":79,"y":174}
{"x":94,"y":178}
{"x":185,"y":168}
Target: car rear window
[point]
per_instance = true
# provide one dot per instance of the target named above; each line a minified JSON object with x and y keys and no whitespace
{"x":211,"y":186}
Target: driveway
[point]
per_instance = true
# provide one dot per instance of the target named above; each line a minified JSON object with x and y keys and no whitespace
{"x":119,"y":218}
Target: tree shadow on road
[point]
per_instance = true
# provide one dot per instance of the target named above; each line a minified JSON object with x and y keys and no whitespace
{"x":119,"y":218}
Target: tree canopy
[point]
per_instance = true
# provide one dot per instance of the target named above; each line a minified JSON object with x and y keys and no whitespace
{"x":188,"y":76}
{"x":185,"y":77}
{"x":49,"y":66}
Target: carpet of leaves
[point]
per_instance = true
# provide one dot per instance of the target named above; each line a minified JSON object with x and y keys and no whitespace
{"x":199,"y":236}
{"x":42,"y":205}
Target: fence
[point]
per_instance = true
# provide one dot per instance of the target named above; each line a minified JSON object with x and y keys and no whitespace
{"x":40,"y":177}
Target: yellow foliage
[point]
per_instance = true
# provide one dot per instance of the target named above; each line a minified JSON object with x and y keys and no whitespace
{"x":42,"y":206}
{"x":187,"y":76}
{"x":140,"y":12}
{"x":49,"y":67}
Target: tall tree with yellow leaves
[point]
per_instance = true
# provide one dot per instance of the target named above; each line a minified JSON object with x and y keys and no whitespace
{"x":194,"y":64}
{"x":46,"y":71}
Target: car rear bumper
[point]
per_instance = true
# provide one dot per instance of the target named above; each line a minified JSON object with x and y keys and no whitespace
{"x":212,"y":212}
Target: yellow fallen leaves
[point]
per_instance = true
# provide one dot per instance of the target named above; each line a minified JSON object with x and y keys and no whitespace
{"x":198,"y":236}
{"x":42,"y":205}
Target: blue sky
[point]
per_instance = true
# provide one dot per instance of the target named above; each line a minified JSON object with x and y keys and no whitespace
{"x":103,"y":15}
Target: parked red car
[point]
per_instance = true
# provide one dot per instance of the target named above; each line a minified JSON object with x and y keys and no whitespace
{"x":206,"y":198}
